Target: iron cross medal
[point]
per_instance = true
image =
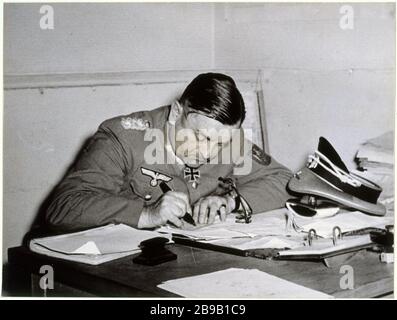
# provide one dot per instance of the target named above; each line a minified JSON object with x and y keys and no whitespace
{"x":193,"y":176}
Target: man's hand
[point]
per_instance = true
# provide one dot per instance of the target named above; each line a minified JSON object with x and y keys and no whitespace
{"x":206,"y":209}
{"x":169,"y":208}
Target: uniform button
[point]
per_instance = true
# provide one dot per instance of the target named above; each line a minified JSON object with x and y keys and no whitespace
{"x":194,"y":185}
{"x":148,"y":197}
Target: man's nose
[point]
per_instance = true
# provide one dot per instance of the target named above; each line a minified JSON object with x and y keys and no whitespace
{"x":205,"y":152}
{"x":209,"y":152}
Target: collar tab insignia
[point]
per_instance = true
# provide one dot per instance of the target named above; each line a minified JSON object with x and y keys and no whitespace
{"x":260,"y":156}
{"x":135,"y":124}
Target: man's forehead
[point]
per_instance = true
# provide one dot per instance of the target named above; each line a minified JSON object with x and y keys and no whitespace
{"x":218,"y":134}
{"x":199,"y":121}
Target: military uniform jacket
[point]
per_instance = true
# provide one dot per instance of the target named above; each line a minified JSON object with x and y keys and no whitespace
{"x":111,"y":182}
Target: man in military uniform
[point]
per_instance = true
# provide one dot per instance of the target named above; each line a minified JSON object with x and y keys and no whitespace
{"x":115,"y":180}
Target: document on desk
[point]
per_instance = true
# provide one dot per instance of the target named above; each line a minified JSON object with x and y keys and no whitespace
{"x":240,"y":283}
{"x":262,"y":242}
{"x":263,"y":224}
{"x":217,"y":230}
{"x":206,"y":233}
{"x":94,"y":246}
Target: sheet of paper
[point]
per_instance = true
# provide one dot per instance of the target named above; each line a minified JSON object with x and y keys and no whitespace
{"x":87,"y":248}
{"x":239,"y":283}
{"x":271,"y":242}
{"x":217,"y":230}
{"x":262,"y":242}
{"x":346,"y":221}
{"x":375,"y":153}
{"x":384,"y":141}
{"x":102,"y":240}
{"x":92,"y":259}
{"x":266,"y":223}
{"x":212,"y":233}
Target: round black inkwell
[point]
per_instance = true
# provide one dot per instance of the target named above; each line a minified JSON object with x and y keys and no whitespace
{"x":154,"y":252}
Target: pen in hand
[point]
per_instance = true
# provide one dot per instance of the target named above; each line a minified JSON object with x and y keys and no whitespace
{"x":187,"y":217}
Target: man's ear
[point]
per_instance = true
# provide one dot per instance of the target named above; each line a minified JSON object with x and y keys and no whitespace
{"x":175,"y":112}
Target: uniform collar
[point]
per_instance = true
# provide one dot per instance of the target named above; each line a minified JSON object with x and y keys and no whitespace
{"x":168,"y":147}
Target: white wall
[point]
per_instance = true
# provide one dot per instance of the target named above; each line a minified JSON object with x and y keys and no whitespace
{"x":304,"y":36}
{"x":108,"y":37}
{"x":318,"y":79}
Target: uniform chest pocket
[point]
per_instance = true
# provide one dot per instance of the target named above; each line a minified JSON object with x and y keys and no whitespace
{"x":141,"y":186}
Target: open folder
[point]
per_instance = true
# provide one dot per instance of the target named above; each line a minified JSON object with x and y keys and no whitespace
{"x":326,"y":248}
{"x":94,"y":246}
{"x":269,"y":235}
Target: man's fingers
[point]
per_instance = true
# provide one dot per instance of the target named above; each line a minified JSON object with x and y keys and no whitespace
{"x":213,"y":212}
{"x":223,"y":202}
{"x":222,"y":212}
{"x":183,"y":197}
{"x":174,"y":220}
{"x":230,"y":204}
{"x":179,"y":207}
{"x":196,"y":212}
{"x":203,"y":212}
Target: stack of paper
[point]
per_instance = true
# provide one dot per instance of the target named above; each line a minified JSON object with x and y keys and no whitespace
{"x":204,"y":232}
{"x":263,"y":224}
{"x":94,"y":246}
{"x":268,"y":230}
{"x":377,"y":152}
{"x":376,"y":163}
{"x":239,"y":283}
{"x":263,"y":242}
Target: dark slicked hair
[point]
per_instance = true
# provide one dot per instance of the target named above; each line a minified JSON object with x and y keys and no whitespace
{"x":216,"y":96}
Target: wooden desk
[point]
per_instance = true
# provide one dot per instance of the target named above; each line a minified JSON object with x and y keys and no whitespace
{"x":124,"y":278}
